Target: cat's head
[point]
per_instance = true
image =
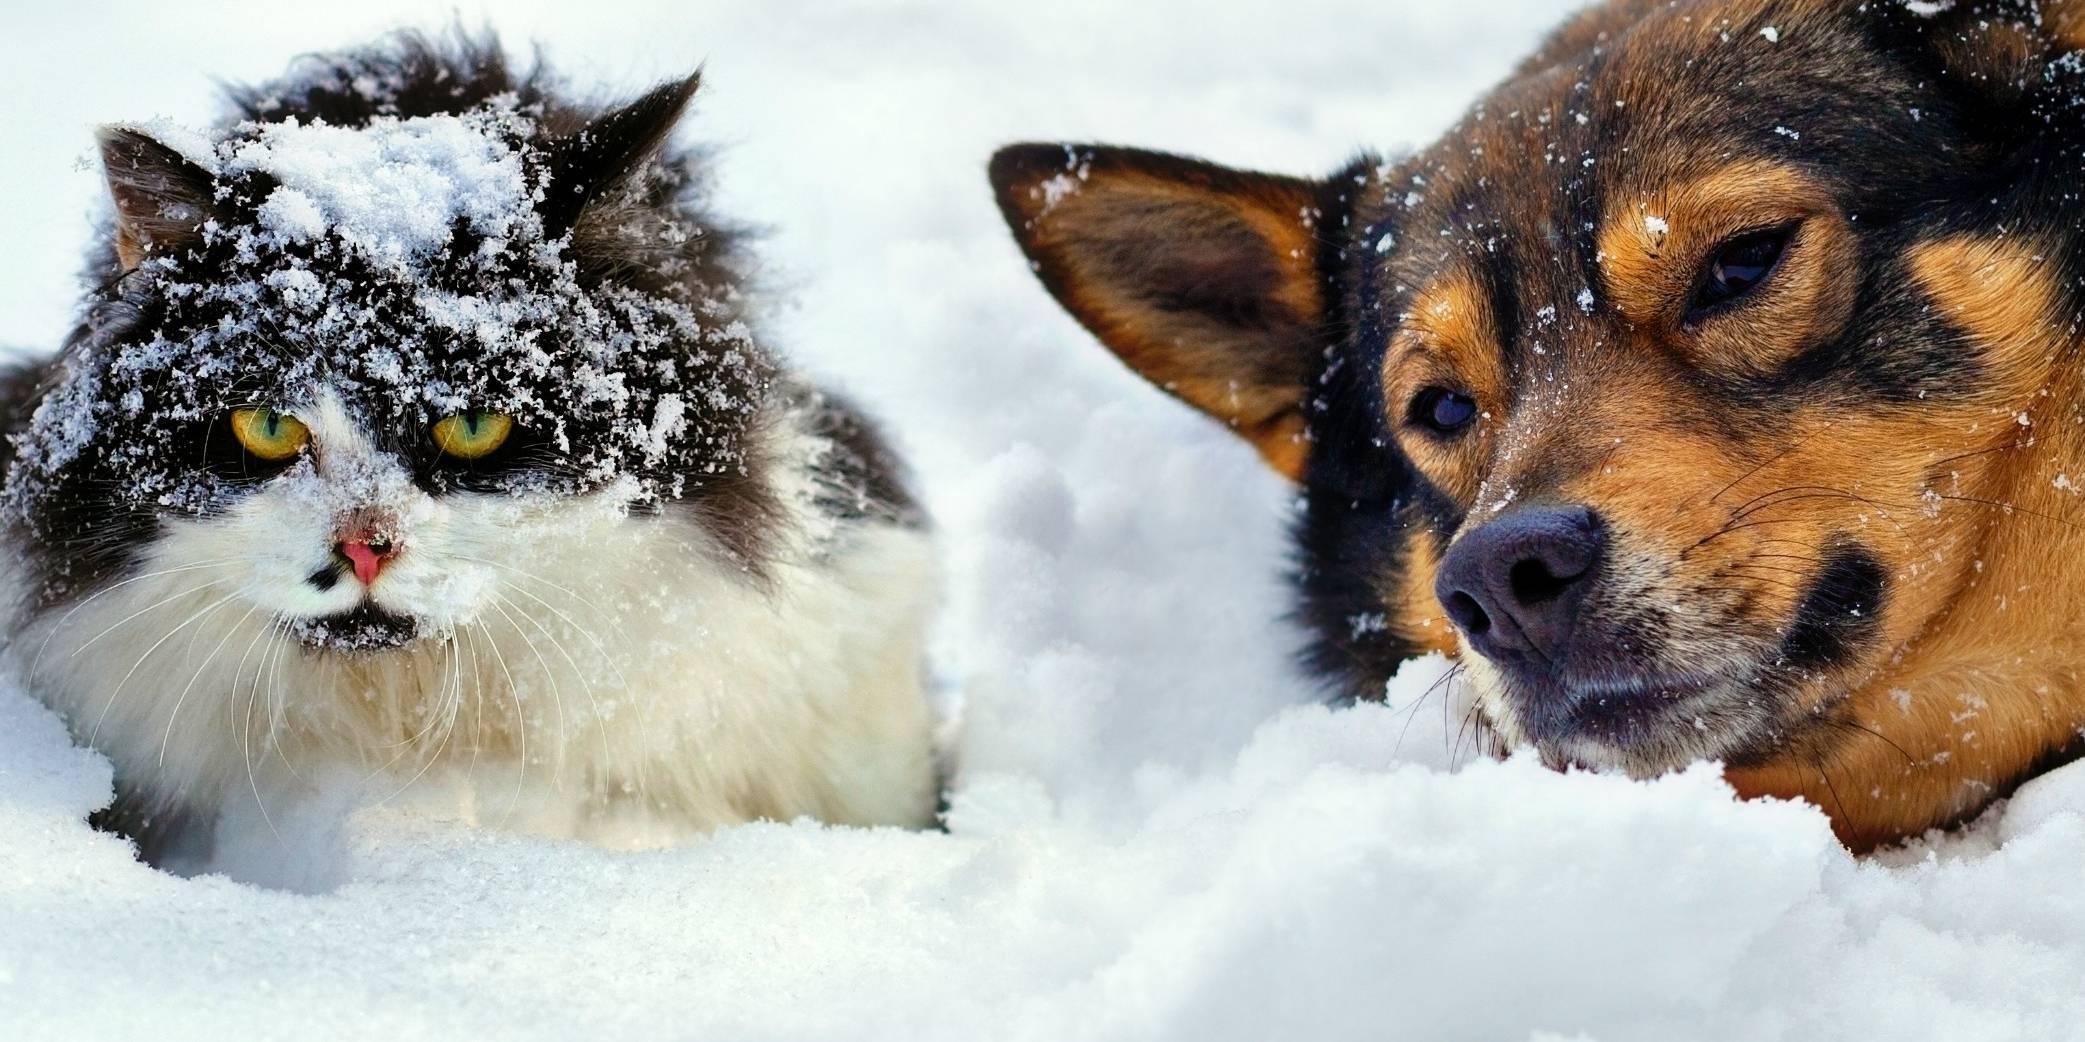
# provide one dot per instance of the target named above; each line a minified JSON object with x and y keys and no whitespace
{"x":352,"y":353}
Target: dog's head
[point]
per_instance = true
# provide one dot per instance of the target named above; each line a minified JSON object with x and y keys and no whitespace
{"x":1673,"y":387}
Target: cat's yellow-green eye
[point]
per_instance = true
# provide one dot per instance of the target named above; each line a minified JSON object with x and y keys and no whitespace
{"x":268,"y":434}
{"x":474,"y":434}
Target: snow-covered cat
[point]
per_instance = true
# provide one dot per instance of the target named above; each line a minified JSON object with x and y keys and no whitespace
{"x":412,"y":428}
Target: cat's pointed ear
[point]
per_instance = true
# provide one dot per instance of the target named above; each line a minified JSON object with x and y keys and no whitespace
{"x":1201,"y":278}
{"x":603,"y":155}
{"x":162,"y":199}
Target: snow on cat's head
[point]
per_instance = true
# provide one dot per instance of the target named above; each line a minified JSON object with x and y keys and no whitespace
{"x":361,"y":346}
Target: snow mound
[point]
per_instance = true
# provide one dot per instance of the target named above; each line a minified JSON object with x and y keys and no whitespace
{"x":1314,"y":881}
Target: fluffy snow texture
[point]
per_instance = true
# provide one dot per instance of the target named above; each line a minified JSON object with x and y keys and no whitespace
{"x":1156,"y":834}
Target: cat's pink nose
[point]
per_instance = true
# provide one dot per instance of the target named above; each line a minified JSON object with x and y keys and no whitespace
{"x":368,"y":556}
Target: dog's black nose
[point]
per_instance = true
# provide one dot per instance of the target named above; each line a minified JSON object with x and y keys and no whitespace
{"x":1513,"y":585}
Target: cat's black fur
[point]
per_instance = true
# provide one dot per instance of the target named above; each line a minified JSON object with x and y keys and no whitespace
{"x":634,"y":216}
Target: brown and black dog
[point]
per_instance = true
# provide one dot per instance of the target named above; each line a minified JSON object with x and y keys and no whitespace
{"x":1712,"y":389}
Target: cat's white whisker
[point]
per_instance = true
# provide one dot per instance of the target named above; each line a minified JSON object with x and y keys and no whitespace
{"x":499,"y":658}
{"x":244,"y":728}
{"x":643,"y":763}
{"x":587,"y":685}
{"x":477,"y":701}
{"x":429,"y":757}
{"x":197,"y":675}
{"x":526,"y":574}
{"x":277,"y":639}
{"x":117,"y":691}
{"x":431,"y":713}
{"x":455,"y":688}
{"x":606,"y":656}
{"x":557,"y":771}
{"x":59,"y":626}
{"x":133,"y":616}
{"x":278,"y":703}
{"x":246,"y":735}
{"x":641,"y":781}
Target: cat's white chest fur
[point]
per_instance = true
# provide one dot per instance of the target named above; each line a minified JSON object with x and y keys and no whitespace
{"x":598,"y":673}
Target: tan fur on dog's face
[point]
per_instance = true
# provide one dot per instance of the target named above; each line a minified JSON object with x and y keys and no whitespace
{"x":1818,"y":526}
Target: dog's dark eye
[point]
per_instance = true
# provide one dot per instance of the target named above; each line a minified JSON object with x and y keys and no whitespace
{"x":1737,"y":268}
{"x":1443,"y":411}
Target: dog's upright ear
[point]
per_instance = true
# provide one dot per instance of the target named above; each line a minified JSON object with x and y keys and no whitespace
{"x":162,"y":199}
{"x":1203,"y":279}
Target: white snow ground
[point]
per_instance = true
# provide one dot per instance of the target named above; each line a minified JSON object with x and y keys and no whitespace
{"x":1158,"y":835}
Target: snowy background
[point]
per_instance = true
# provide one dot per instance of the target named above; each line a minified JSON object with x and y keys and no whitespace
{"x":1158,"y":834}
